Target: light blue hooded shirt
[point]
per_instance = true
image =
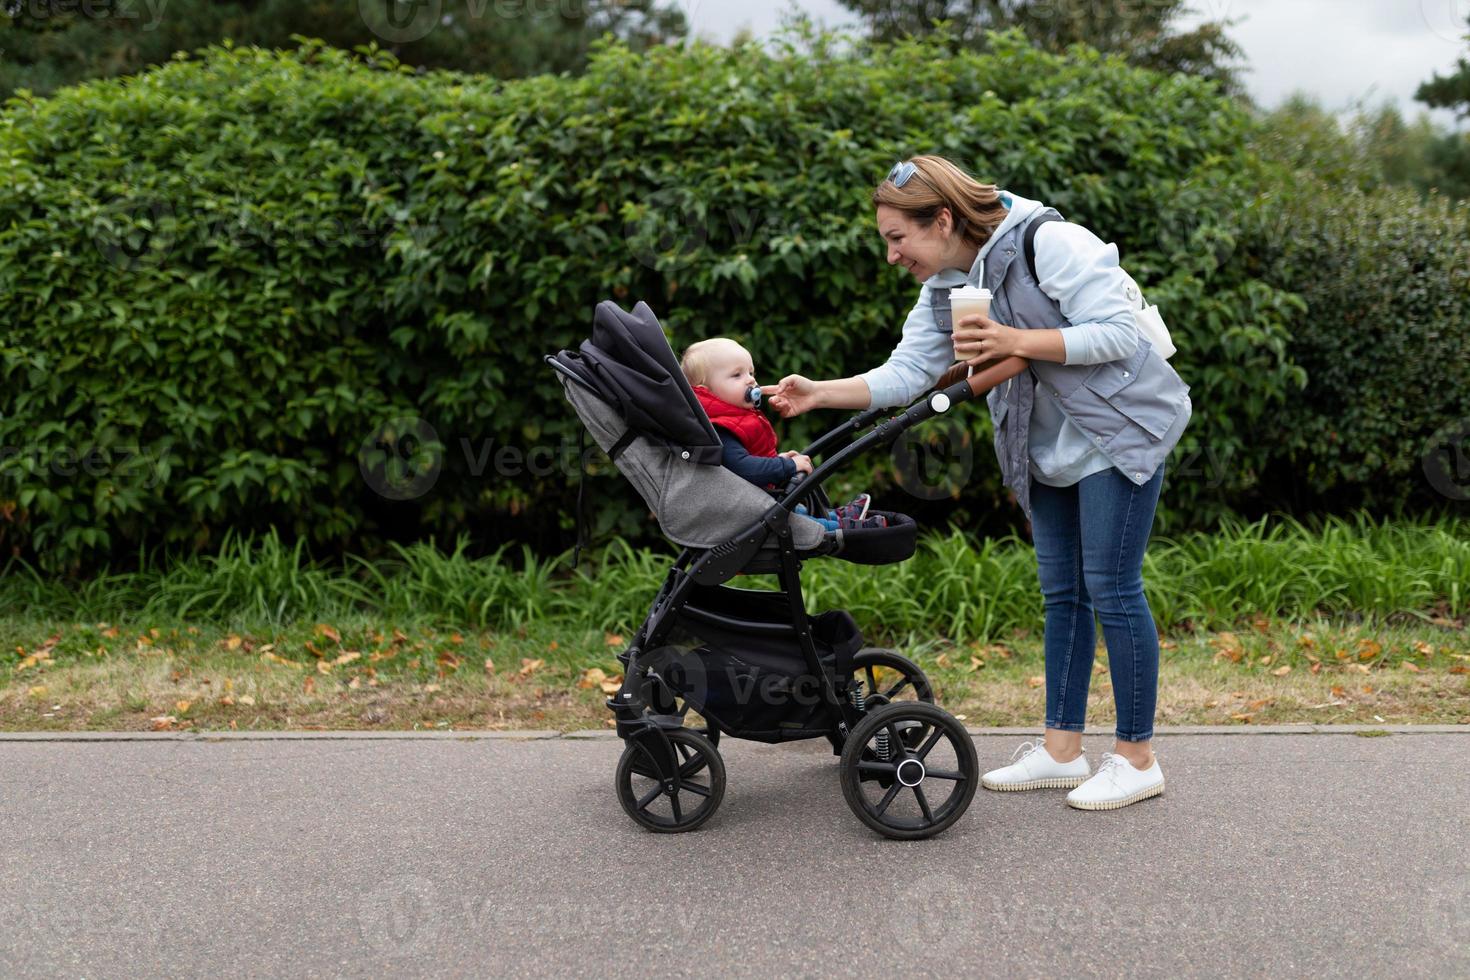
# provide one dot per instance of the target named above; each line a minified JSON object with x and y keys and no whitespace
{"x":1081,"y":273}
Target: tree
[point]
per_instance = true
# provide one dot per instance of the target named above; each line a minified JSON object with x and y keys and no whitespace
{"x":45,"y":44}
{"x":1450,"y":91}
{"x":1450,"y":154}
{"x":1143,"y":31}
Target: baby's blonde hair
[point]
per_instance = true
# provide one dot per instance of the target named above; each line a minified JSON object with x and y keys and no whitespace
{"x":700,"y":355}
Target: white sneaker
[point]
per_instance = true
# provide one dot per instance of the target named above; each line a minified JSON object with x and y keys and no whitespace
{"x":1117,"y":783}
{"x":1036,"y":769}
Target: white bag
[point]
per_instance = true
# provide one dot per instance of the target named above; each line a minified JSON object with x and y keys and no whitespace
{"x":1150,"y":321}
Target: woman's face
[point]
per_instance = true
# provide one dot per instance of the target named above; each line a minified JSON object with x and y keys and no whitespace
{"x":922,"y":251}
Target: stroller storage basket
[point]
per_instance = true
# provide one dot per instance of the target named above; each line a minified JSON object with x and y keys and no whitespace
{"x":734,"y":655}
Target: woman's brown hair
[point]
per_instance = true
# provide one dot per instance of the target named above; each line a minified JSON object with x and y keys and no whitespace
{"x":939,"y":184}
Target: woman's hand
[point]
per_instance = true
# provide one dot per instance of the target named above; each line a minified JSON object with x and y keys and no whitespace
{"x":793,"y":396}
{"x":978,"y":339}
{"x":803,"y":462}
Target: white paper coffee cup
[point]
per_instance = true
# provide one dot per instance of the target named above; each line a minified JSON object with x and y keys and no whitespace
{"x":968,"y":301}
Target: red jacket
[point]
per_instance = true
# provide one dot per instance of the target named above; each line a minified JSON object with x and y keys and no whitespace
{"x":747,"y":424}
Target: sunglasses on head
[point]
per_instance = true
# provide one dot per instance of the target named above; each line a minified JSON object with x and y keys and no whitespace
{"x":901,"y":173}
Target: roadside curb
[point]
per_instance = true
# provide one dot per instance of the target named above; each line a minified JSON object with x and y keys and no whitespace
{"x":541,"y":735}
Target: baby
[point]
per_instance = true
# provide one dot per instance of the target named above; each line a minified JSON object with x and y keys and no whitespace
{"x":723,"y":377}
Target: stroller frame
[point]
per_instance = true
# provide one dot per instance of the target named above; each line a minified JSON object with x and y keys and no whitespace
{"x":658,"y":745}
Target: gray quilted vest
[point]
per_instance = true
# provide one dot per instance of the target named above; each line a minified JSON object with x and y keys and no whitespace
{"x":1134,"y":409}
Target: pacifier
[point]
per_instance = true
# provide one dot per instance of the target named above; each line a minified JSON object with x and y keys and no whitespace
{"x":753,"y":395}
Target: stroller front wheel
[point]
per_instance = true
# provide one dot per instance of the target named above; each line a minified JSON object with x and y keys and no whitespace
{"x":671,"y":802}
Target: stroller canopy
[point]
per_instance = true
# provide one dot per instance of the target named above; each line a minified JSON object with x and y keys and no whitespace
{"x":628,"y":364}
{"x":627,"y":388}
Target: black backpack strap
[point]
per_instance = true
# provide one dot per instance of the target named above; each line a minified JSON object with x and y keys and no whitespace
{"x":1031,"y":230}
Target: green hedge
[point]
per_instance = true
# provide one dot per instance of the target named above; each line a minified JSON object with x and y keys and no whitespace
{"x":237,"y":268}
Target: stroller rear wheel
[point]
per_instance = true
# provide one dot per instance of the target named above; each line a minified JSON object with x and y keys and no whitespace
{"x":904,"y":790}
{"x":883,"y":677}
{"x":671,"y":802}
{"x":888,"y":676}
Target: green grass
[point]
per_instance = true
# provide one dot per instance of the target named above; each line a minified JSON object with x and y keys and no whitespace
{"x":1271,"y":621}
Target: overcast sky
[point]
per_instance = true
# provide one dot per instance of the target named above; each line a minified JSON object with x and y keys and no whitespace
{"x":1342,"y":51}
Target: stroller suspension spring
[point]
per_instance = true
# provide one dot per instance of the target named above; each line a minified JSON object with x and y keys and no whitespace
{"x":859,"y":701}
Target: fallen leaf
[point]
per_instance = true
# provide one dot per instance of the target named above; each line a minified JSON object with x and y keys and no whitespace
{"x":1367,"y":689}
{"x":1424,"y":649}
{"x":489,"y":666}
{"x":247,"y":700}
{"x":1242,"y":717}
{"x":1316,"y":667}
{"x":354,"y":684}
{"x":1281,"y":671}
{"x":1368,"y":650}
{"x":1410,"y":665}
{"x":322,"y":667}
{"x":1261,"y":624}
{"x":1459,"y":669}
{"x":1360,"y":668}
{"x":593,"y":676}
{"x":162,"y":722}
{"x":1266,"y":660}
{"x":309,"y":685}
{"x":613,"y":639}
{"x":943,"y":660}
{"x":430,"y":688}
{"x":552,"y":645}
{"x":456,"y":638}
{"x":1035,"y":681}
{"x":1306,"y":641}
{"x":976,"y":663}
{"x":322,"y":629}
{"x":38,"y":691}
{"x":110,"y":632}
{"x":181,"y":706}
{"x":232,"y":642}
{"x":613,"y":684}
{"x":1338,"y":690}
{"x":346,"y":658}
{"x":1211,"y":704}
{"x":1259,"y":703}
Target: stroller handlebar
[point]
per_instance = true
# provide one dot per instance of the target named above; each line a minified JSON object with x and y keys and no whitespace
{"x":961,"y":387}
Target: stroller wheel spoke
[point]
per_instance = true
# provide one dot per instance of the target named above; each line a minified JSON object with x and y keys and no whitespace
{"x":866,"y":766}
{"x":650,"y":796}
{"x":888,"y":797}
{"x":872,"y":680}
{"x":930,"y":743}
{"x":958,"y":777}
{"x":693,"y":767}
{"x":902,"y":683}
{"x":674,"y":802}
{"x":696,"y":789}
{"x":923,"y":804}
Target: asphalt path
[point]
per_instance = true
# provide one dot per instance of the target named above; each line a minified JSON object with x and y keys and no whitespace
{"x":1296,"y":855}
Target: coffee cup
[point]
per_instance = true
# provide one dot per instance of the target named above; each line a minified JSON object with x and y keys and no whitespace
{"x":968,"y":301}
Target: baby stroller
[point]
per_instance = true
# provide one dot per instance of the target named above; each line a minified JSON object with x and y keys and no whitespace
{"x":752,"y":663}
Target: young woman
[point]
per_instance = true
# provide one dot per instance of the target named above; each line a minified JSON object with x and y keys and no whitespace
{"x":1081,"y":437}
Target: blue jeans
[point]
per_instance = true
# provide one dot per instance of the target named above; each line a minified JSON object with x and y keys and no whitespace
{"x":1090,"y":539}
